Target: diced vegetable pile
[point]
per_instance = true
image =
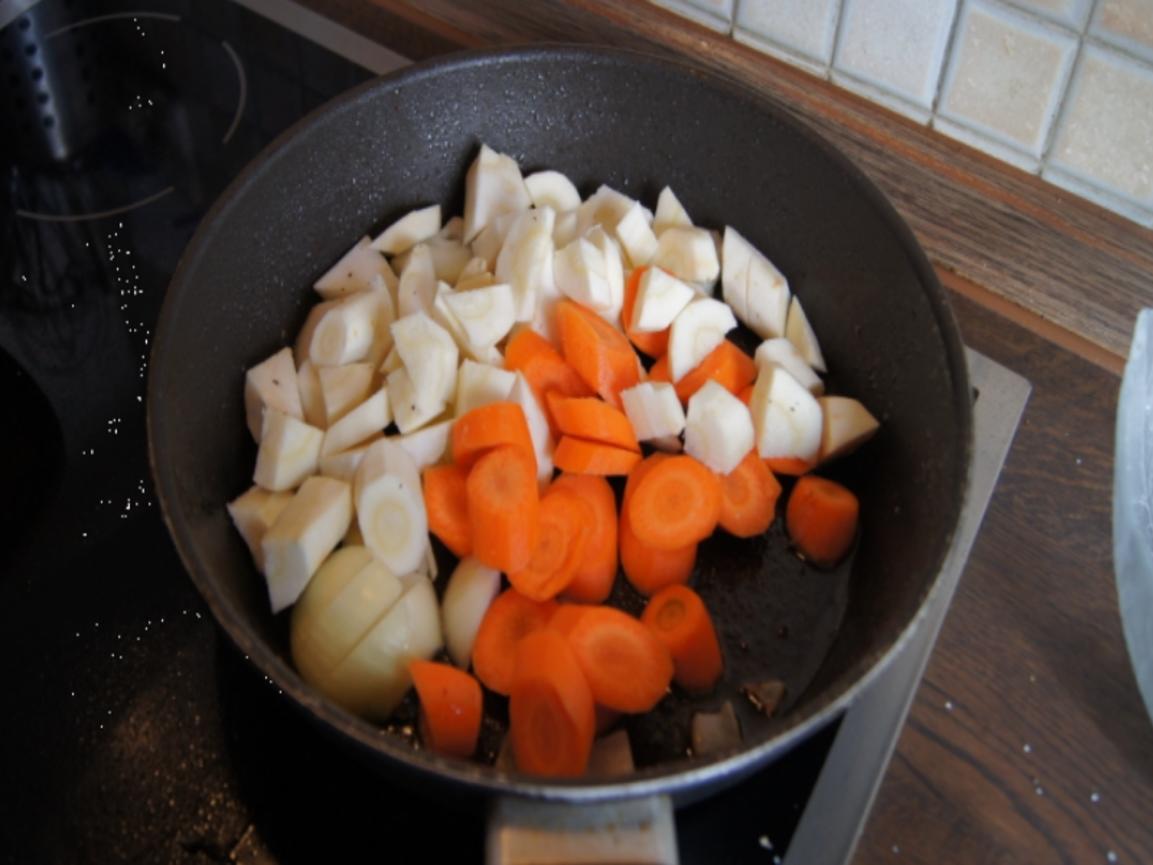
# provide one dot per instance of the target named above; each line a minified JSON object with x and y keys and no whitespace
{"x":526,"y":353}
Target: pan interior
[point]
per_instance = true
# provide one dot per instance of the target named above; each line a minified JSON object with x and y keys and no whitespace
{"x":636,"y":124}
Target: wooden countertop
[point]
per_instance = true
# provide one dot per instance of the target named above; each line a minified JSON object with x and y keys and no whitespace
{"x":1028,"y":741}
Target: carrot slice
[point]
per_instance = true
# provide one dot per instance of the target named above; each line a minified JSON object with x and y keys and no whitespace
{"x":552,"y":719}
{"x":822,"y":519}
{"x":677,"y":502}
{"x":450,"y":707}
{"x":679,"y":618}
{"x":565,"y":616}
{"x":627,"y":667}
{"x":791,"y":466}
{"x":446,"y":502}
{"x":600,"y":353}
{"x":749,"y":496}
{"x":503,"y":507}
{"x":485,"y":427}
{"x":726,"y":364}
{"x":746,"y":394}
{"x":593,"y":580}
{"x":648,"y":569}
{"x":564,"y":524}
{"x":509,"y":619}
{"x":542,"y":365}
{"x":593,"y":419}
{"x":582,"y":457}
{"x":652,"y":343}
{"x":659,"y":371}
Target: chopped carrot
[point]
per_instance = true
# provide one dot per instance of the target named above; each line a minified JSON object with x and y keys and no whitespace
{"x":446,"y":502}
{"x":503,"y":507}
{"x":565,"y":616}
{"x":822,"y":519}
{"x":543,"y":366}
{"x":481,"y":429}
{"x":652,"y":343}
{"x":582,"y":457}
{"x":746,"y":394}
{"x":627,"y":667}
{"x":726,"y":364}
{"x":564,"y":524}
{"x":593,"y":580}
{"x":451,"y":705}
{"x":509,"y":619}
{"x":599,"y":352}
{"x":749,"y":496}
{"x":594,"y":420}
{"x":675,"y":503}
{"x":648,"y":569}
{"x":791,"y":466}
{"x":659,"y":371}
{"x":679,"y":618}
{"x":552,"y":719}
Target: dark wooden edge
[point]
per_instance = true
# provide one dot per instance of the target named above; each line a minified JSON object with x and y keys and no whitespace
{"x":1064,"y":267}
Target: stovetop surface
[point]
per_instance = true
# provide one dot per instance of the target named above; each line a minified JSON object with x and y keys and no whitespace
{"x":131,"y":731}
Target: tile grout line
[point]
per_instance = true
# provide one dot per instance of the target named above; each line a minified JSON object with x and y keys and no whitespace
{"x":947,"y":61}
{"x":1066,"y":91}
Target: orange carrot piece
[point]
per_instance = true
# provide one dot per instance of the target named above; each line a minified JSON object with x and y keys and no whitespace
{"x":675,"y":503}
{"x":791,"y":466}
{"x":446,"y":502}
{"x":648,"y":569}
{"x":746,"y":394}
{"x":582,"y":457}
{"x":749,"y":496}
{"x":593,"y":580}
{"x":659,"y":371}
{"x":563,"y":526}
{"x":450,"y":707}
{"x":627,"y":667}
{"x":509,"y":619}
{"x":565,"y":616}
{"x":594,"y":420}
{"x":542,"y":365}
{"x":485,"y":427}
{"x":552,"y":719}
{"x":503,"y":507}
{"x":652,"y":343}
{"x":821,"y":518}
{"x":600,"y":353}
{"x":679,"y":618}
{"x":726,"y":364}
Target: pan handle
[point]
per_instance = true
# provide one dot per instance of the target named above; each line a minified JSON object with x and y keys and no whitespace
{"x":626,"y":832}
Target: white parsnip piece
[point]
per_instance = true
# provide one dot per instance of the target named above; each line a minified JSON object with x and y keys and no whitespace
{"x":847,"y":426}
{"x":689,"y":254}
{"x":800,"y":333}
{"x":718,"y":428}
{"x":552,"y":189}
{"x":654,"y":410}
{"x":781,"y":351}
{"x":271,"y":384}
{"x":354,"y":271}
{"x":288,"y":453}
{"x":343,"y":388}
{"x":363,"y":422}
{"x":307,"y":530}
{"x":697,"y":330}
{"x":409,"y":230}
{"x":670,"y":213}
{"x":786,"y":417}
{"x":492,"y":186}
{"x":253,"y":512}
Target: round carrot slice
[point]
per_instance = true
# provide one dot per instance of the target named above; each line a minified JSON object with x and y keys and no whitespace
{"x":676,"y":503}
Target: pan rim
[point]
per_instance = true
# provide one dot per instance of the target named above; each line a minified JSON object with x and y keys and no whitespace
{"x":677,"y":778}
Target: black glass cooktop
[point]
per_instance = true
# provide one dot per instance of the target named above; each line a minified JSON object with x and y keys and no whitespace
{"x":130,"y":731}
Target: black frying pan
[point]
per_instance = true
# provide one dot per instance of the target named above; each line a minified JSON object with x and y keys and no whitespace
{"x":636,"y":123}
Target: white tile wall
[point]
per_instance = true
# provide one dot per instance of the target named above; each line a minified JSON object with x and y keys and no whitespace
{"x":1060,"y":88}
{"x":1070,"y":13}
{"x":1005,"y":79}
{"x":1126,"y":23}
{"x":894,"y":47}
{"x":797,"y":30}
{"x":1105,"y":139}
